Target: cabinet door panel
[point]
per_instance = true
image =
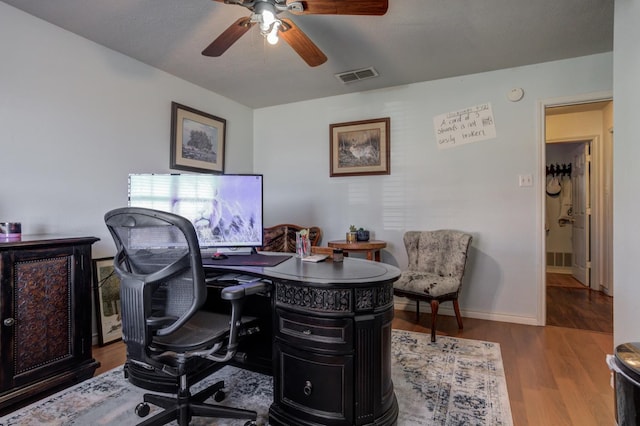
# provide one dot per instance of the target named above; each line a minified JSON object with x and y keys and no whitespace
{"x":41,"y":305}
{"x":42,"y":331}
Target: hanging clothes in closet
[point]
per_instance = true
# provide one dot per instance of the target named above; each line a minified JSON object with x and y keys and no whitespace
{"x":566,"y":206}
{"x":559,"y":184}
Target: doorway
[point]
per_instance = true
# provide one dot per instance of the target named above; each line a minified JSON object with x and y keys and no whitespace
{"x":578,"y":281}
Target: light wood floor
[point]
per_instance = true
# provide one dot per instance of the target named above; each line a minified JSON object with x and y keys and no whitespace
{"x":571,"y":304}
{"x":555,"y":375}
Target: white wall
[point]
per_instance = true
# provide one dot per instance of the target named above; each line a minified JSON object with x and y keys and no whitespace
{"x":472,"y":187}
{"x":626,"y":93}
{"x":77,"y":118}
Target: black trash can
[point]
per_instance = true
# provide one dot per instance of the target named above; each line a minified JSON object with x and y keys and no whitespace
{"x":625,"y":365}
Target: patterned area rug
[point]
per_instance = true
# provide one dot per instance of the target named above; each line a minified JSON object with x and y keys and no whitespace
{"x":450,"y":382}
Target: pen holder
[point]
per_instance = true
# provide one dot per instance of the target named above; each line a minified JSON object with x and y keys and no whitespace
{"x":338,"y":255}
{"x":303,"y":245}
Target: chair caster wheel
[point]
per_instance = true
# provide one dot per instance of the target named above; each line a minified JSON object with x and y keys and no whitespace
{"x":142,"y":409}
{"x":219,"y":396}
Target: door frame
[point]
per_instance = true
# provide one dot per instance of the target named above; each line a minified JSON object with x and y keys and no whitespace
{"x":597,"y":228}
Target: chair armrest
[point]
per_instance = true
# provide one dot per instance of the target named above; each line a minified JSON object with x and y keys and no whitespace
{"x":245,"y":289}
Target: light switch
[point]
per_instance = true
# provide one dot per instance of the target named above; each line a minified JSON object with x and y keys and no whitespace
{"x":525,"y":180}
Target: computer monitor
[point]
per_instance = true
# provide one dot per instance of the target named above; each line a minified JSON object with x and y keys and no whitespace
{"x":226,"y":210}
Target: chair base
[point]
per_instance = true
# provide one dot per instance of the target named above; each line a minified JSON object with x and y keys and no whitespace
{"x":435,"y":304}
{"x":186,"y":406}
{"x":157,"y":381}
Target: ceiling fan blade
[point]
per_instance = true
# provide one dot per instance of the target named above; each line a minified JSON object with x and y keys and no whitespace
{"x":301,"y":43}
{"x":228,"y":37}
{"x":342,"y":7}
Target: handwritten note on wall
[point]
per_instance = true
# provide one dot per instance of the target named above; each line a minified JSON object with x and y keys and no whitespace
{"x":468,"y":125}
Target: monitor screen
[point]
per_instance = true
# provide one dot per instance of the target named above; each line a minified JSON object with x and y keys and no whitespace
{"x":226,"y":210}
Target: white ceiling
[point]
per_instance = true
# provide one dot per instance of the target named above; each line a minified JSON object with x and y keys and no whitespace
{"x":417,"y":40}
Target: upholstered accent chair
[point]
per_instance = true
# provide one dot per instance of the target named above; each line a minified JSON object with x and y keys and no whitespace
{"x":437,"y":261}
{"x":282,"y":238}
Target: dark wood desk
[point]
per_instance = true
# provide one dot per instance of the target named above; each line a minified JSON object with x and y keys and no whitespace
{"x":371,"y":248}
{"x":331,"y":342}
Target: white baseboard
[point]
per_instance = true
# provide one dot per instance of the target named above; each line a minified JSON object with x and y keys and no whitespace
{"x":447,"y":309}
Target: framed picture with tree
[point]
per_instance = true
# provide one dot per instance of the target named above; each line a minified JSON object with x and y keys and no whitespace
{"x":197,"y":140}
{"x":106,"y":286}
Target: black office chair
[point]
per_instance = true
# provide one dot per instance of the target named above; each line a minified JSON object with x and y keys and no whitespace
{"x":162,"y":290}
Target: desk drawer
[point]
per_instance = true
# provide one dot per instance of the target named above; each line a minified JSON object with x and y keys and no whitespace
{"x":317,"y":388}
{"x":316,"y":333}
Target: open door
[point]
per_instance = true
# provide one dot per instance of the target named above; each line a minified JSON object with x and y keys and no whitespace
{"x":581,"y":205}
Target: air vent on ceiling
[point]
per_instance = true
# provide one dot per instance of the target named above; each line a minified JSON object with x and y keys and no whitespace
{"x":357,"y":75}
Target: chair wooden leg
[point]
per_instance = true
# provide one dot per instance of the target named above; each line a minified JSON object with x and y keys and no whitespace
{"x":456,"y":308}
{"x":417,"y":311}
{"x":434,"y":315}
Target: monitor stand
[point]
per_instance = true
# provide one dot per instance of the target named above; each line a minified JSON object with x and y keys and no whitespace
{"x":233,"y":251}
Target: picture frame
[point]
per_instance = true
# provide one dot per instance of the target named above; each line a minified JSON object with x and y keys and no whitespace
{"x":106,"y":286}
{"x":197,"y":140}
{"x":359,"y":148}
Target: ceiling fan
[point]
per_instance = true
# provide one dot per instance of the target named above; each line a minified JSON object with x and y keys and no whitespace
{"x":265,"y":14}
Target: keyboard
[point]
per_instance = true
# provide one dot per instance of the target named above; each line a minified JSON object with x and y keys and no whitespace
{"x":232,"y":278}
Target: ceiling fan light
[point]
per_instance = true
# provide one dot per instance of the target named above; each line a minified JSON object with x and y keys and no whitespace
{"x":268,"y":17}
{"x":272,"y":37}
{"x":266,"y":14}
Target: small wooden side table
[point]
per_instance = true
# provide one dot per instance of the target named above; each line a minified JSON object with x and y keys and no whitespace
{"x":371,"y":248}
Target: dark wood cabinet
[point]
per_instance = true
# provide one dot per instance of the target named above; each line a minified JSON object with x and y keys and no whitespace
{"x":45,"y":323}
